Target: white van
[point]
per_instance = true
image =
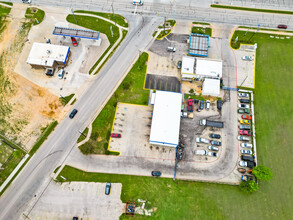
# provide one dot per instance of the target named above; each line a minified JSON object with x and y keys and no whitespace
{"x":171,"y":49}
{"x":200,"y":152}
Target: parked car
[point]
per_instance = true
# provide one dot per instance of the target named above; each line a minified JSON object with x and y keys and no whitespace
{"x":248,"y":58}
{"x":108,"y":188}
{"x":201,"y":152}
{"x":213,"y":148}
{"x":212,"y":154}
{"x":208,"y":103}
{"x":249,"y":152}
{"x":156,"y":173}
{"x":190,"y":102}
{"x":282,"y":26}
{"x":244,"y":122}
{"x":245,"y":145}
{"x":27,"y":1}
{"x":49,"y":71}
{"x":73,"y":113}
{"x":246,"y":164}
{"x":171,"y":49}
{"x":217,"y":143}
{"x":115,"y":135}
{"x":243,"y":106}
{"x":75,"y":218}
{"x":247,"y":117}
{"x":202,"y":140}
{"x":249,"y":171}
{"x":74,"y":42}
{"x":61,"y":73}
{"x":243,"y":95}
{"x":245,"y":132}
{"x":219,"y":104}
{"x":244,"y":127}
{"x":244,"y":111}
{"x":247,"y":158}
{"x":137,"y":3}
{"x":201,"y":105}
{"x":247,"y":178}
{"x":179,"y":64}
{"x":241,"y":170}
{"x":247,"y":101}
{"x":243,"y":138}
{"x":217,"y":136}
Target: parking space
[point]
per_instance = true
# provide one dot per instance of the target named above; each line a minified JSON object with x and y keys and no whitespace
{"x":81,"y":59}
{"x":164,"y":83}
{"x":245,"y":67}
{"x":79,"y":199}
{"x":133,"y":122}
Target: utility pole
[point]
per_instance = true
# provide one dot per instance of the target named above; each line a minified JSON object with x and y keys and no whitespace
{"x":74,"y":16}
{"x":113,"y":14}
{"x":82,"y":134}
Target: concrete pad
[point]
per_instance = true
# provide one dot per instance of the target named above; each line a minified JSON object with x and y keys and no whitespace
{"x":134,"y":124}
{"x":81,"y":59}
{"x":79,"y":199}
{"x":245,"y":69}
{"x":182,"y":27}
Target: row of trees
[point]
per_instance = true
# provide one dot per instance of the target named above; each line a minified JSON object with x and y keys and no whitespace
{"x":261,"y":173}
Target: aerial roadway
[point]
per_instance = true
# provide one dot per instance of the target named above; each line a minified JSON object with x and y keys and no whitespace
{"x":32,"y":181}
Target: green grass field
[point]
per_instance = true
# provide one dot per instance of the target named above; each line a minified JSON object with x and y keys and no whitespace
{"x":5,"y":152}
{"x":195,"y":200}
{"x":119,"y":19}
{"x":200,"y":30}
{"x":36,"y":15}
{"x":130,"y":91}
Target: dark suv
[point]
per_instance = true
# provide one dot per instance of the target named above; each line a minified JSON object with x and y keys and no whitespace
{"x":217,"y":136}
{"x":73,"y":113}
{"x":247,"y":101}
{"x":219,"y":104}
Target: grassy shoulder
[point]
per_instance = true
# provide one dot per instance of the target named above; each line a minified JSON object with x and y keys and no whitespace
{"x":35,"y":15}
{"x":119,"y":19}
{"x":201,"y":30}
{"x":4,"y":11}
{"x":46,"y":132}
{"x":7,"y":3}
{"x":66,"y":99}
{"x":83,"y":135}
{"x":252,"y":9}
{"x":130,"y":91}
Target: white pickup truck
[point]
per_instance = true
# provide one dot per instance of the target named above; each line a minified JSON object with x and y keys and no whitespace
{"x":202,"y":140}
{"x":201,"y":152}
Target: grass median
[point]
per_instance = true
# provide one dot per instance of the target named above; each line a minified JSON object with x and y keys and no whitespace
{"x":130,"y":91}
{"x":201,"y":30}
{"x":36,"y":15}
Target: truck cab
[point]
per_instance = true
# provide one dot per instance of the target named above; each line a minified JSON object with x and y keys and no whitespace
{"x":137,"y":2}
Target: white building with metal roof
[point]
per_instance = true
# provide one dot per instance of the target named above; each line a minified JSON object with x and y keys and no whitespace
{"x":166,"y":119}
{"x":188,"y":66}
{"x":208,"y":68}
{"x":48,"y":55}
{"x":211,"y":87}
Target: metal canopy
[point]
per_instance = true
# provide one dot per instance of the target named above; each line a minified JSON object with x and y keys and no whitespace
{"x":199,"y":45}
{"x":79,"y":33}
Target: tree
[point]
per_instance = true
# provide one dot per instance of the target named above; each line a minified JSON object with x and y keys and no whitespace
{"x":248,"y":186}
{"x":262,"y":173}
{"x":191,"y":91}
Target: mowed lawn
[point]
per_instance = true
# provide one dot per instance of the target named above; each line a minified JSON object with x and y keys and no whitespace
{"x":195,"y":200}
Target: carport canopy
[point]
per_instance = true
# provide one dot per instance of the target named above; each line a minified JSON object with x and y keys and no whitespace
{"x":79,"y":33}
{"x":166,"y":119}
{"x":199,"y":45}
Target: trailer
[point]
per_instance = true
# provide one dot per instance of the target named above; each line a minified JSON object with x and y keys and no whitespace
{"x":216,"y":124}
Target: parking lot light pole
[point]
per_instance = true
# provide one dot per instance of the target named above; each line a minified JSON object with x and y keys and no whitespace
{"x":82,"y":134}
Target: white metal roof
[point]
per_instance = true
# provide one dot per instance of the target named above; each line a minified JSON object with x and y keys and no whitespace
{"x":166,"y":119}
{"x":188,"y":65}
{"x":45,"y":54}
{"x":208,"y":68}
{"x":211,"y":87}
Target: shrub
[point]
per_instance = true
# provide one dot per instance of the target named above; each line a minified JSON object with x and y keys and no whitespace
{"x":191,"y":91}
{"x":248,"y":186}
{"x":262,"y":173}
{"x":87,"y":148}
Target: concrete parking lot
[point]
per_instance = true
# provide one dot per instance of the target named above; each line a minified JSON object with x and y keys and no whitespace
{"x":134,"y":124}
{"x":79,"y":199}
{"x":81,"y":59}
{"x":245,"y":69}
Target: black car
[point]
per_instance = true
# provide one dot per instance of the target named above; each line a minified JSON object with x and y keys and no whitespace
{"x":179,"y":64}
{"x":156,"y":173}
{"x":250,"y":164}
{"x":217,"y":143}
{"x":73,"y":113}
{"x":246,"y":101}
{"x":219,"y":104}
{"x":247,"y":158}
{"x":75,"y":218}
{"x":201,"y":105}
{"x":217,"y":136}
{"x":108,"y":188}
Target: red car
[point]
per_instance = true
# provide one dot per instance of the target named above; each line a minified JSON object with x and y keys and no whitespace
{"x":74,"y":42}
{"x":190,"y":101}
{"x":282,"y":26}
{"x":245,"y":132}
{"x":114,"y":135}
{"x":247,"y":117}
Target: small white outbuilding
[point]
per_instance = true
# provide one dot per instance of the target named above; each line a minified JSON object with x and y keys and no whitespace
{"x":211,"y":87}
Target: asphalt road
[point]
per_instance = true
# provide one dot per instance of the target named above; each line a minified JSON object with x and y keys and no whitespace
{"x":35,"y":177}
